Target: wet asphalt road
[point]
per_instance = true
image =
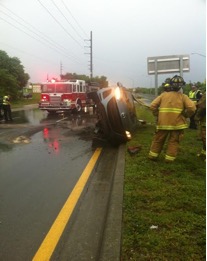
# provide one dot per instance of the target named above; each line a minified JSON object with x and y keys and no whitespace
{"x":41,"y":159}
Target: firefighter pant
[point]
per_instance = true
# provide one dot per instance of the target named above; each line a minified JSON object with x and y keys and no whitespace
{"x":7,"y":112}
{"x":193,"y":124}
{"x":172,"y":139}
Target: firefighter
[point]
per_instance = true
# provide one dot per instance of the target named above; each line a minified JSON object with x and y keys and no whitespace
{"x":195,"y":95}
{"x":7,"y":108}
{"x":171,"y":108}
{"x":200,"y":118}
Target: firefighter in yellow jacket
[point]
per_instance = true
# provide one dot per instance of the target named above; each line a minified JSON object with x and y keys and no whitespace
{"x":195,"y":95}
{"x":7,"y":108}
{"x":171,"y":108}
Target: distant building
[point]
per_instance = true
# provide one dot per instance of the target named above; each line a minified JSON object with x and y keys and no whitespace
{"x":36,"y":87}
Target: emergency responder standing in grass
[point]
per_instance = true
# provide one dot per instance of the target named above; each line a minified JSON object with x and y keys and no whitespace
{"x":171,"y":108}
{"x":200,"y":118}
{"x":195,"y":95}
{"x":7,"y":108}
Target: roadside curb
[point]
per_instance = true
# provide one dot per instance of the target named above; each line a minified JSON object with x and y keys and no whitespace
{"x":111,"y":245}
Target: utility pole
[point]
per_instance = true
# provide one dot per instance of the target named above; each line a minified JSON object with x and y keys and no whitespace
{"x":91,"y":55}
{"x":61,"y":70}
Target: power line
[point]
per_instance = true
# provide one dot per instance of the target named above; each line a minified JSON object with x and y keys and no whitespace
{"x":59,"y":23}
{"x":34,"y":33}
{"x":31,"y":36}
{"x":42,"y":35}
{"x":199,"y":54}
{"x":66,"y":19}
{"x":73,"y":18}
{"x":51,"y":43}
{"x":29,"y":54}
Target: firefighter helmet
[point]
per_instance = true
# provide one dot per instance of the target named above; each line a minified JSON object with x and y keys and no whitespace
{"x":167,"y":87}
{"x":177,"y":82}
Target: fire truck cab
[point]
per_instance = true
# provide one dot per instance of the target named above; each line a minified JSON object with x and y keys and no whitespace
{"x":57,"y":96}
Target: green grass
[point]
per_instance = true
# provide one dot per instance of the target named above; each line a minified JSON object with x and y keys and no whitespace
{"x":21,"y":102}
{"x":171,"y":197}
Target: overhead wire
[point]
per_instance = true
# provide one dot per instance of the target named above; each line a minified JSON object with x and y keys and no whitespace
{"x":29,"y":54}
{"x":40,"y":34}
{"x":33,"y":37}
{"x":42,"y":38}
{"x":56,"y":20}
{"x":66,"y":19}
{"x":53,"y":45}
{"x":66,"y":7}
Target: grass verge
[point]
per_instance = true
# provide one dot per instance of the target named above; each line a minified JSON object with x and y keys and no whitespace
{"x":23,"y":101}
{"x":164,"y":214}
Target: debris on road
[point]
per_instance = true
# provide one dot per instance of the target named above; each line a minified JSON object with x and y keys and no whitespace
{"x":21,"y":139}
{"x":134,"y":150}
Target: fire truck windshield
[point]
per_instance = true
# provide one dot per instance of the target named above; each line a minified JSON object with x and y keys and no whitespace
{"x":57,"y":88}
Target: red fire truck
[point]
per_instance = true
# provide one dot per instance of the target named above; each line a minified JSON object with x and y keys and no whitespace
{"x":57,"y":96}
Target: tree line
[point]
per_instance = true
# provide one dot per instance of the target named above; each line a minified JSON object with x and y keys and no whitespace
{"x":200,"y":85}
{"x":13,"y":79}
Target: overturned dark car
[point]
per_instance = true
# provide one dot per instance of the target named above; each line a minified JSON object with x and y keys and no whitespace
{"x":116,"y":113}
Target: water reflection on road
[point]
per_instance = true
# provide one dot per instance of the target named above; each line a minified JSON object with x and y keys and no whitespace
{"x":31,"y":116}
{"x":47,"y":127}
{"x":36,"y":117}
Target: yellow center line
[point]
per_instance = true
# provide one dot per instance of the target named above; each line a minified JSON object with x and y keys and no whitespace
{"x":49,"y":243}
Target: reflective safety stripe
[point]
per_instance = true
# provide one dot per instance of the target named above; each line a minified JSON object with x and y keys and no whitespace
{"x":153,"y":154}
{"x":174,"y":110}
{"x":169,"y":158}
{"x":171,"y":127}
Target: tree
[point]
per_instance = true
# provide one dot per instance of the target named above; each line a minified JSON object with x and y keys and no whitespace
{"x":8,"y":84}
{"x":101,"y":80}
{"x":12,"y":75}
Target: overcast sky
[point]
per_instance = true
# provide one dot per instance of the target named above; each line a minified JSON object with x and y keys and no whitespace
{"x":44,"y":34}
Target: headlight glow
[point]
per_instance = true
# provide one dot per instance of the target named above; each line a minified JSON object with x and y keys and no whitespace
{"x":128,"y":134}
{"x":117,"y":93}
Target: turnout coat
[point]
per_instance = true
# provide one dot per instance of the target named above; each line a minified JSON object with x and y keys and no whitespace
{"x":172,"y":108}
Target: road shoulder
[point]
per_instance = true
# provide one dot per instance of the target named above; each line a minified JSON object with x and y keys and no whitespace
{"x":111,"y":246}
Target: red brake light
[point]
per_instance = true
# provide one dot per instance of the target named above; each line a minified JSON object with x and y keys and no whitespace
{"x":45,"y":98}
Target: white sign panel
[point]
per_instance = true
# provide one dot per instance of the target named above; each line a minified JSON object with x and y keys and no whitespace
{"x":168,"y":64}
